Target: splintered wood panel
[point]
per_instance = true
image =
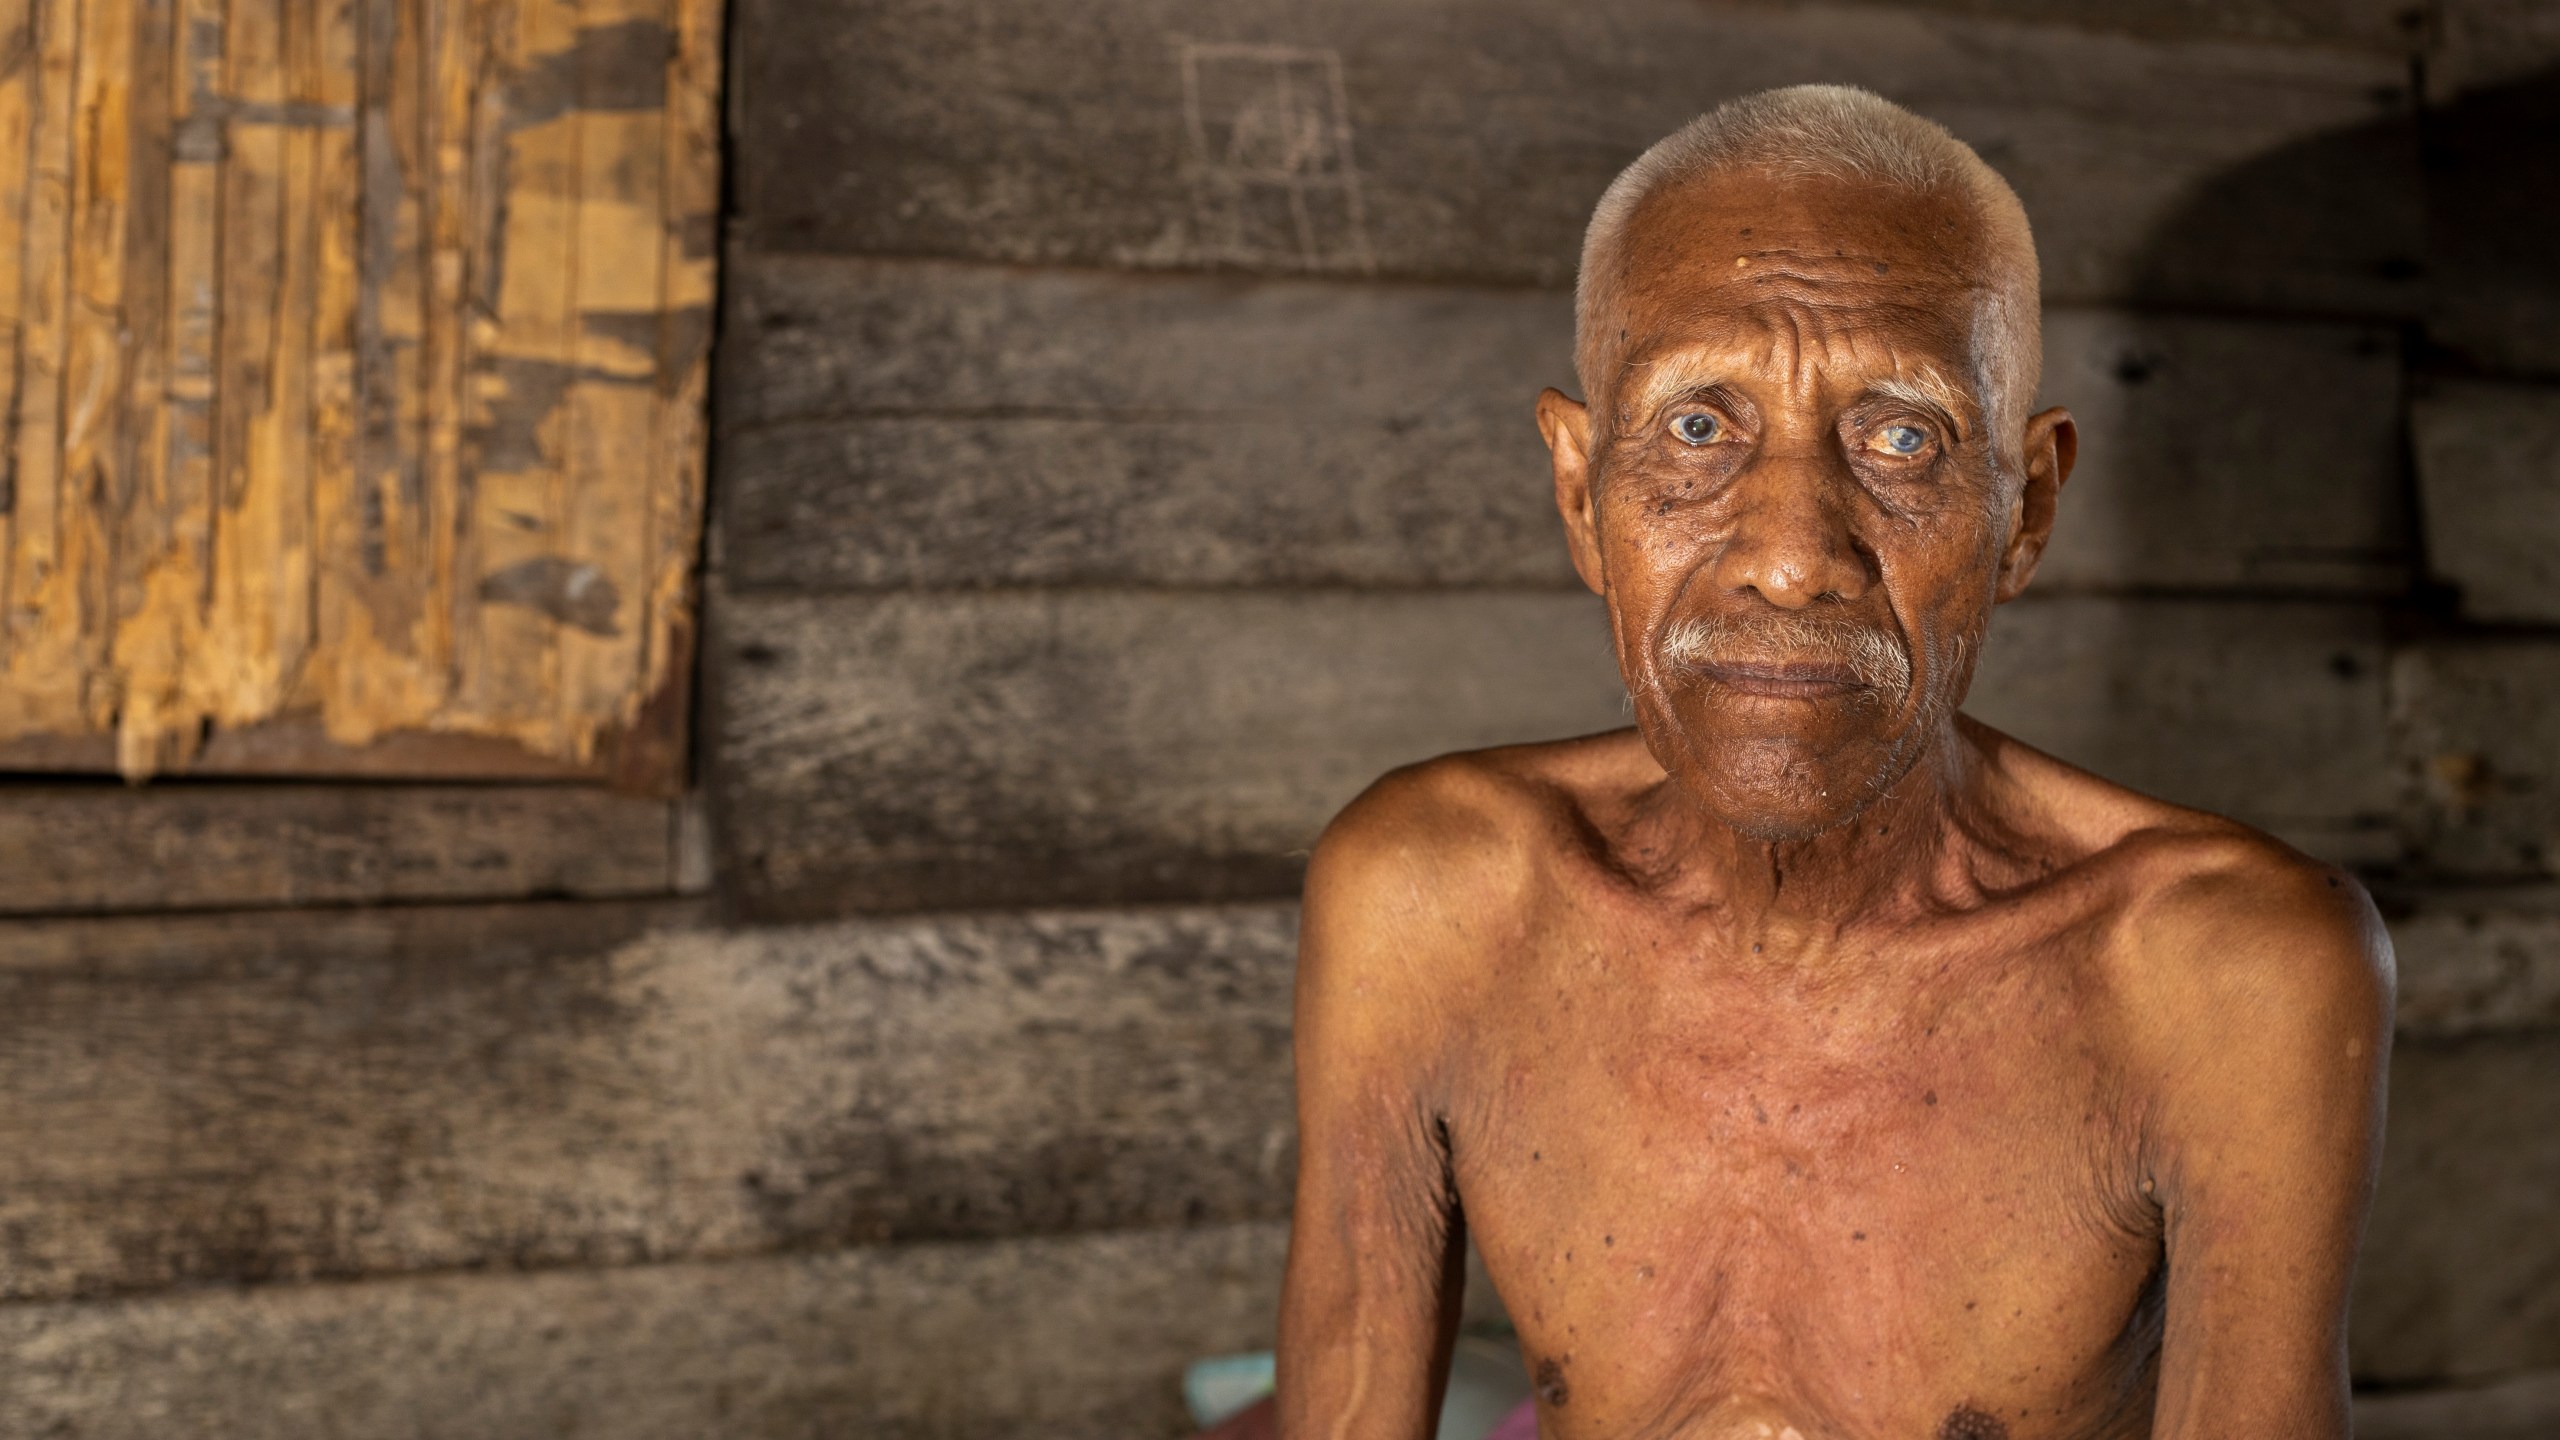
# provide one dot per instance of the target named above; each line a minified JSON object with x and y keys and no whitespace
{"x":352,"y":363}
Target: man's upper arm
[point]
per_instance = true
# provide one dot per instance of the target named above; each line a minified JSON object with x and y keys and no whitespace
{"x":1375,"y":1247}
{"x":2271,"y":1032}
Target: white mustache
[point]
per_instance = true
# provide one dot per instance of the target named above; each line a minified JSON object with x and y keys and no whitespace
{"x":1877,"y":659}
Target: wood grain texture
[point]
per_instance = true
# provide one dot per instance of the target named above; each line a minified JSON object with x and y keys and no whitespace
{"x":2381,"y":26}
{"x":355,"y":356}
{"x":296,"y":1095}
{"x":906,"y":423}
{"x":100,"y":849}
{"x":2273,"y":714}
{"x":919,"y":423}
{"x":2476,"y":959}
{"x":2522,"y":1407}
{"x":899,"y":752}
{"x":2454,"y":1280}
{"x":307,"y":1094}
{"x":2488,"y":459}
{"x":1467,"y":139}
{"x":1081,"y":1339}
{"x":2228,"y":455}
{"x":2476,"y":742}
{"x":904,"y":751}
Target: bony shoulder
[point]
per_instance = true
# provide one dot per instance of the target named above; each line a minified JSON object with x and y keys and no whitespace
{"x":1461,"y":809}
{"x":2229,"y":925}
{"x":1434,"y":857}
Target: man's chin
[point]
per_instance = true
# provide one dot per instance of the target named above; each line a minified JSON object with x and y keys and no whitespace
{"x":1785,"y":804}
{"x":1785,"y":825}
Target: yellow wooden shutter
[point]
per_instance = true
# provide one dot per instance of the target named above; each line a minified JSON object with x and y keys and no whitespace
{"x":353,"y":367}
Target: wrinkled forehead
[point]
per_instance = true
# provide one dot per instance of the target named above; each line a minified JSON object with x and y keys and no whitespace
{"x":1803,"y":277}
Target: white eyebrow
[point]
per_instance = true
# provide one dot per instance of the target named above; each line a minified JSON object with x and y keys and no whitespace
{"x":1666,"y":380}
{"x":1925,"y":389}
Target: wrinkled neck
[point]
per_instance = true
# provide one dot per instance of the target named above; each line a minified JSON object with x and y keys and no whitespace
{"x":1884,"y":861}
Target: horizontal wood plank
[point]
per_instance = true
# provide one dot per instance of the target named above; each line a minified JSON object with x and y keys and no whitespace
{"x":1467,"y":139}
{"x":2489,"y":487}
{"x":1075,"y":1336}
{"x":916,"y":423}
{"x":913,"y":751}
{"x":2523,"y":1407}
{"x":908,"y":751}
{"x":2228,"y":455}
{"x":1082,"y":1339}
{"x":183,"y":846}
{"x":2477,"y":741}
{"x":317,"y":1094}
{"x":2454,"y":1281}
{"x":2476,"y":959}
{"x":2270,"y":713}
{"x":920,"y":423}
{"x":2384,"y":26}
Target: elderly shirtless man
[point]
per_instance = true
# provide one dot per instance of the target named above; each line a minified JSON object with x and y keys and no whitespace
{"x":1811,"y":1061}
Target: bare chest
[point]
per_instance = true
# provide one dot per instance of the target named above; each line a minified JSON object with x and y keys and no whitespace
{"x":1838,"y":1213}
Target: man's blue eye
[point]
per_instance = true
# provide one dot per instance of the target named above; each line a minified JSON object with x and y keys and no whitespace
{"x":1697,"y":429}
{"x":1904,"y":439}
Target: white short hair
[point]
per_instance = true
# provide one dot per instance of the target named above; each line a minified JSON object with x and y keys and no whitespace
{"x":1835,"y":132}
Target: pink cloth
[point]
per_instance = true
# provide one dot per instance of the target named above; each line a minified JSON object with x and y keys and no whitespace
{"x":1520,"y":1424}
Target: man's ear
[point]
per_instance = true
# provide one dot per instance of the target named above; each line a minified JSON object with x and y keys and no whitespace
{"x":1566,"y":424}
{"x":2053,"y":443}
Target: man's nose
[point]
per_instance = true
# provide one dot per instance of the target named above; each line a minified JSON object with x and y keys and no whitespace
{"x":1791,"y":540}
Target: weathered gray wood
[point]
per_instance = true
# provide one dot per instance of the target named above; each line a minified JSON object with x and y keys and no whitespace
{"x":2524,"y":1408}
{"x":1078,"y":1338}
{"x":223,"y":1098}
{"x":181,"y":846}
{"x":921,"y":423}
{"x":2483,"y":44}
{"x":2489,"y":486}
{"x":2270,"y":713}
{"x":2227,"y":455}
{"x":1467,"y":139}
{"x":908,"y":751}
{"x":1083,"y":1339}
{"x":2475,"y":960}
{"x":2493,"y":187}
{"x":2388,"y":26}
{"x":2477,"y":743}
{"x":912,"y":751}
{"x":2456,"y":1276}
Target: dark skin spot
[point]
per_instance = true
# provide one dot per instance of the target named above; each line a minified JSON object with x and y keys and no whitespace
{"x":1857,"y":1234}
{"x":1929,"y":1097}
{"x":1551,"y":1391}
{"x":1966,"y":1423}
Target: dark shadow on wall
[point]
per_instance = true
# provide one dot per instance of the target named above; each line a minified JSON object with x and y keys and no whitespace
{"x":2470,"y":189}
{"x":2432,"y":233}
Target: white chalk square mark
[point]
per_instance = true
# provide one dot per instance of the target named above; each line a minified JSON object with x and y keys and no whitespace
{"x":1272,"y":178}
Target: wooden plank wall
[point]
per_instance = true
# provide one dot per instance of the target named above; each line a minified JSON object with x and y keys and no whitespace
{"x":352,"y":362}
{"x":1104,"y":489}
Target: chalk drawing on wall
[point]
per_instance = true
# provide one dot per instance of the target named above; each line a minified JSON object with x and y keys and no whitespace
{"x":1272,"y":179}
